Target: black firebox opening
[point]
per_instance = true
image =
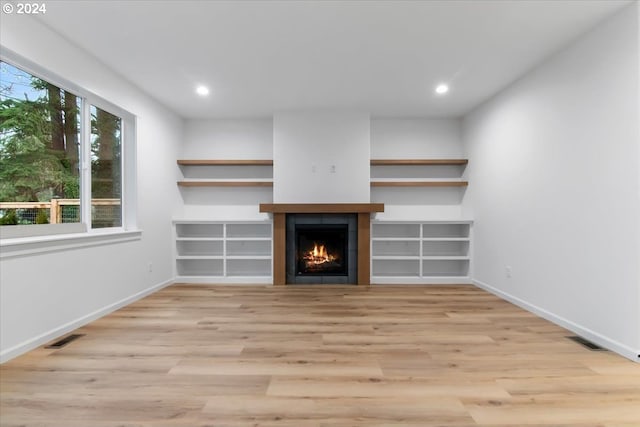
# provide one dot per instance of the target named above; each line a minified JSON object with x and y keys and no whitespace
{"x":321,"y":250}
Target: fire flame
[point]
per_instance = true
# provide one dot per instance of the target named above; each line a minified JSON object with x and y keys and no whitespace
{"x":318,"y":255}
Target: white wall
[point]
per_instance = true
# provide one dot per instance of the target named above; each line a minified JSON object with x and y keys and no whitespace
{"x":45,"y":295}
{"x":226,"y":139}
{"x":321,"y":157}
{"x":418,"y":138}
{"x":554,"y":162}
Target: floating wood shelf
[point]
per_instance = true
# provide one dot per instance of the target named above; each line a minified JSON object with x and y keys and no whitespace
{"x":417,"y":162}
{"x":321,"y":207}
{"x":225,"y":162}
{"x":225,"y":183}
{"x":419,"y":183}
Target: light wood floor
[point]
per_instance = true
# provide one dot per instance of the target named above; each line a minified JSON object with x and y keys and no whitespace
{"x":320,"y":356}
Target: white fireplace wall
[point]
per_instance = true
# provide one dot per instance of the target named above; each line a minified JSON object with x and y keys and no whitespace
{"x":321,"y":157}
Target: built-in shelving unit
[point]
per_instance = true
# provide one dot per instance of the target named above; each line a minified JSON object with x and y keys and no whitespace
{"x":418,"y":172}
{"x":224,"y":252}
{"x":226,"y":173}
{"x":420,"y":252}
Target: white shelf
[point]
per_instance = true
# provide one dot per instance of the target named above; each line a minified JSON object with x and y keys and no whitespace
{"x":248,"y":230}
{"x":445,"y":230}
{"x":200,"y":267}
{"x":454,"y":249}
{"x":436,"y":275}
{"x":446,"y":239}
{"x":248,"y":239}
{"x":396,"y":277}
{"x":395,"y":230}
{"x":248,"y":267}
{"x":425,"y":280}
{"x":241,"y":280}
{"x":199,"y":230}
{"x":415,"y":252}
{"x":199,"y":257}
{"x":223,"y":251}
{"x":248,"y":257}
{"x":199,"y":239}
{"x":185,"y":276}
{"x":395,"y":239}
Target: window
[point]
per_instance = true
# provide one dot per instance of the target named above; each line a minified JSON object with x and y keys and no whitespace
{"x":62,"y":156}
{"x":106,"y":169}
{"x":39,"y":150}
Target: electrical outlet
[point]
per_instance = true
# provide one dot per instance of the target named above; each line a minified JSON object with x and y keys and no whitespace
{"x":507,"y":272}
{"x":332,"y":169}
{"x":150,"y":267}
{"x":313,"y":168}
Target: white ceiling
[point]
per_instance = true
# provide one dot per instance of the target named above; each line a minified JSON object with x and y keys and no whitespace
{"x":384,"y":57}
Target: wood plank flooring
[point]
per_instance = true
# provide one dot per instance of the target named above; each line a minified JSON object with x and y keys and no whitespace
{"x":319,"y":356}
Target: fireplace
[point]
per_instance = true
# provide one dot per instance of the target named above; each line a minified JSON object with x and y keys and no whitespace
{"x":321,"y":249}
{"x":358,"y":216}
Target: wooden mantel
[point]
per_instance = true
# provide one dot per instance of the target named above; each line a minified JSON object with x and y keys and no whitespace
{"x":321,"y":207}
{"x":280,"y":210}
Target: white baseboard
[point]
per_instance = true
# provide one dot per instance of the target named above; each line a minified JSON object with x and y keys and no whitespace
{"x":601,"y":340}
{"x":35,"y":342}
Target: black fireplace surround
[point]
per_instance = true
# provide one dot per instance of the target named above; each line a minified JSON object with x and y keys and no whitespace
{"x":321,"y":248}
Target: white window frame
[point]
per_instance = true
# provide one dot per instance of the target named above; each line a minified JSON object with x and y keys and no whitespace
{"x":15,"y":240}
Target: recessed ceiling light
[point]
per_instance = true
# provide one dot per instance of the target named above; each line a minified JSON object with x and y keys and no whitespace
{"x":202,"y":90}
{"x":442,"y":88}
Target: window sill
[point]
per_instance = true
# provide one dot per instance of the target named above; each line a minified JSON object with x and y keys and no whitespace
{"x":25,"y":246}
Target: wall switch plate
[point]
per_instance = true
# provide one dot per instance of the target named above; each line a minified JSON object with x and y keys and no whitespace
{"x":507,"y":271}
